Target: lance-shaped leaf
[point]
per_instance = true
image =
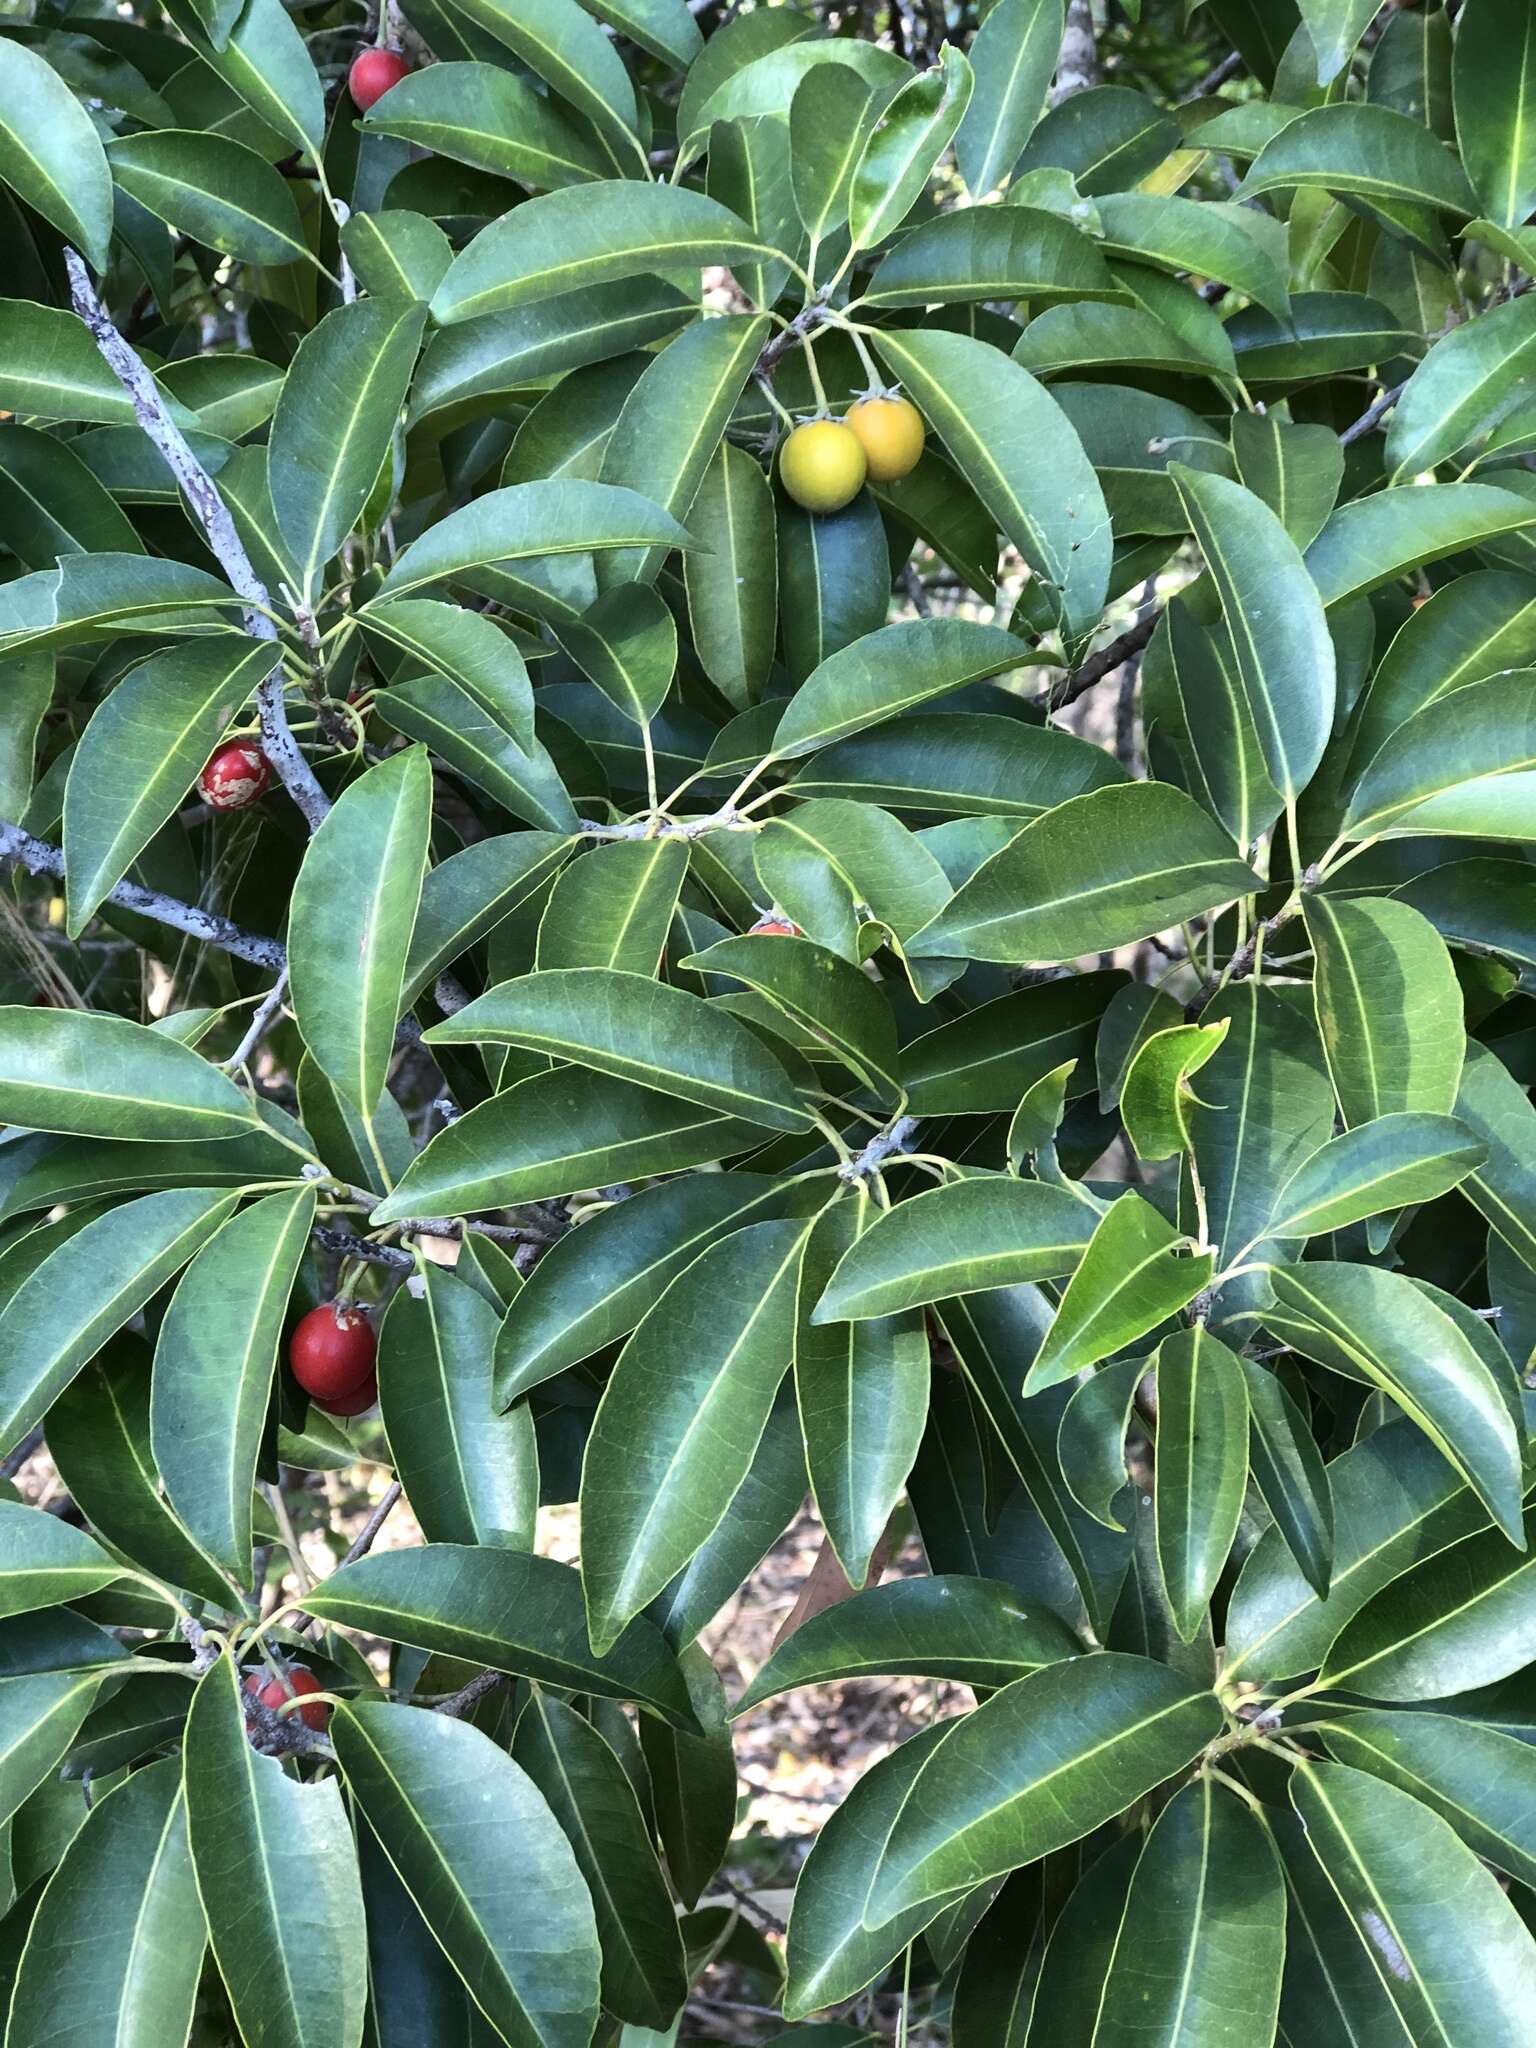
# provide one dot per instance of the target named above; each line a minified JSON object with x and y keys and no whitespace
{"x":1482,"y":1782}
{"x":692,"y":1781}
{"x":1097,"y":872}
{"x":828,"y":997}
{"x":1372,"y":151}
{"x":467,"y":895}
{"x":567,"y":241}
{"x":598,"y":1281}
{"x":1281,"y":649}
{"x":992,"y":252}
{"x":1180,"y":236}
{"x":887,"y":672}
{"x":1374,"y":540}
{"x":627,"y":644}
{"x":1156,"y":1086}
{"x":480,"y":114}
{"x":1460,"y":1619}
{"x":1449,"y":1949}
{"x":462,"y":730}
{"x":349,"y":933}
{"x":614,"y":907}
{"x":1133,"y":1276}
{"x":1013,"y":59}
{"x":1376,"y":1324}
{"x":991,"y":1056}
{"x":1202,"y":1944}
{"x":51,"y":154}
{"x":1295,"y":467}
{"x":1395,"y":1500}
{"x":732,"y":591}
{"x":1202,"y":1467}
{"x":83,"y":1292}
{"x":1090,"y":1440}
{"x":1335,"y":27}
{"x":40,"y":1716}
{"x":1389,"y":1007}
{"x":552,"y":516}
{"x":1041,"y":1764}
{"x":1498,"y":1109}
{"x":463,"y":645}
{"x":472,"y":1475}
{"x":862,"y":1391}
{"x":90,"y":594}
{"x":672,"y":423}
{"x":507,"y":1609}
{"x":563,"y":45}
{"x":586,"y":1789}
{"x":214,"y":189}
{"x":635,"y":1029}
{"x":975,"y":1631}
{"x":1461,"y":766}
{"x":1016,"y":449}
{"x":339,"y":408}
{"x":104,"y":1077}
{"x":958,"y":1239}
{"x":277,"y":1874}
{"x":1388,"y":1163}
{"x":1461,"y":388}
{"x":508,"y":1904}
{"x":554,"y":1133}
{"x":213,"y":1370}
{"x":681,"y":1418}
{"x":908,"y":140}
{"x":140,"y":753}
{"x":44,"y":1561}
{"x":127,"y":1876}
{"x":1289,"y":1472}
{"x":831,"y":109}
{"x":1493,"y":80}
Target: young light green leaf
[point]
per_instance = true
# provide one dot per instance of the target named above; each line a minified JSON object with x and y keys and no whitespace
{"x":1156,"y":1086}
{"x":1132,"y":1276}
{"x":907,"y":141}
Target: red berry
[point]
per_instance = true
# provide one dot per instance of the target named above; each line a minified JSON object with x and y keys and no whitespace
{"x":774,"y":928}
{"x":354,"y":1403}
{"x":235,"y":776}
{"x":275,"y":1694}
{"x":331,"y":1353}
{"x":373,"y":73}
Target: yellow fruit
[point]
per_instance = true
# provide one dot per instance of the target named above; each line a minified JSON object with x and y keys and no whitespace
{"x":891,"y":433}
{"x":822,"y":465}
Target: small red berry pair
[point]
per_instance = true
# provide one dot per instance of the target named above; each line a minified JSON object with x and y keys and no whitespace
{"x":275,"y":1693}
{"x":331,"y":1353}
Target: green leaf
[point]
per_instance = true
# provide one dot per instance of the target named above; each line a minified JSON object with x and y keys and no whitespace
{"x":1473,"y":1777}
{"x":585,"y":1787}
{"x":461,"y":728}
{"x":1041,"y":1764}
{"x":45,"y":1561}
{"x":50,"y":153}
{"x":1296,"y":468}
{"x":1015,"y":448}
{"x":104,"y":1077}
{"x":555,"y":1133}
{"x":1282,"y":654}
{"x":627,"y":644}
{"x":52,"y":503}
{"x":469,"y":894}
{"x":830,"y":999}
{"x":40,"y":1717}
{"x":127,"y":1876}
{"x":1493,"y":79}
{"x":1388,"y":1007}
{"x":567,"y":241}
{"x":560,"y":516}
{"x":506,"y":1609}
{"x":993,"y":1055}
{"x":1289,"y":1472}
{"x":260,"y":1840}
{"x":566,"y":48}
{"x":834,"y":575}
{"x":263,"y":58}
{"x":596,"y":1284}
{"x":88,"y":1288}
{"x":1202,"y":1944}
{"x":1460,"y":767}
{"x":681,"y":1418}
{"x":214,"y":1362}
{"x":968,"y":1235}
{"x":1202,"y":1467}
{"x":1375,"y":540}
{"x":1013,"y":59}
{"x":831,"y":109}
{"x":1156,"y":1086}
{"x":481,"y":115}
{"x":634,"y":1029}
{"x":1448,"y":1948}
{"x":732,"y":591}
{"x":887,"y":672}
{"x":692,"y":1779}
{"x":1132,"y":1276}
{"x":141,"y":752}
{"x":398,"y":255}
{"x":354,"y":904}
{"x":1090,"y":1441}
{"x":509,"y":1906}
{"x":913,"y":132}
{"x":1098,"y":872}
{"x":1461,"y":388}
{"x":767,"y":83}
{"x":614,"y":907}
{"x":1335,"y":28}
{"x":1009,"y":252}
{"x":1499,"y":1111}
{"x":467,"y":647}
{"x":1382,"y":1327}
{"x":1387,"y":1163}
{"x":1372,"y":152}
{"x":472,"y":1475}
{"x":1180,"y":236}
{"x":973,"y":1631}
{"x":338,"y":412}
{"x":213,"y":189}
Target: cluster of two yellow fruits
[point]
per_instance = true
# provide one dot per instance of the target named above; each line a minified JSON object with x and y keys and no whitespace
{"x":824,"y":463}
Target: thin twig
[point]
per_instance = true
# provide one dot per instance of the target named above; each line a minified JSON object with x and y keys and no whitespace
{"x":459,"y":1703}
{"x":261,"y":1023}
{"x":1379,"y":407}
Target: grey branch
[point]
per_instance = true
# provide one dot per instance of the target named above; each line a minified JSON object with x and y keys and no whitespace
{"x":261,"y":1023}
{"x":467,"y":1696}
{"x":1077,"y":67}
{"x":213,"y":515}
{"x":39,"y":858}
{"x":880,"y":1148}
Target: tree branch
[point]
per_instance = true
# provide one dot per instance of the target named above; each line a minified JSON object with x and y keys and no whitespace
{"x":1077,"y":68}
{"x":213,"y":515}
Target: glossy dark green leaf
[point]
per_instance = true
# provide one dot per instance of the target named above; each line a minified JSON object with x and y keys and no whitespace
{"x":40,"y":1717}
{"x":827,"y":997}
{"x":215,"y":190}
{"x":1289,"y":1472}
{"x":482,"y":115}
{"x":466,"y":647}
{"x":888,"y":672}
{"x":732,"y":590}
{"x":554,"y":516}
{"x":105,"y":1077}
{"x":1372,"y":151}
{"x":1388,"y":1007}
{"x":1013,"y":58}
{"x":1202,"y":1467}
{"x":1461,"y":766}
{"x":1499,"y":1111}
{"x":614,"y":907}
{"x":506,"y":1609}
{"x":693,"y":1781}
{"x":476,"y":742}
{"x":1460,"y":389}
{"x":1109,"y":138}
{"x":45,"y":1561}
{"x":1476,"y":1778}
{"x":1492,"y":77}
{"x":991,"y":1056}
{"x":1373,"y":540}
{"x":1131,"y":1277}
{"x":467,"y":895}
{"x":1387,"y":1163}
{"x":51,"y":154}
